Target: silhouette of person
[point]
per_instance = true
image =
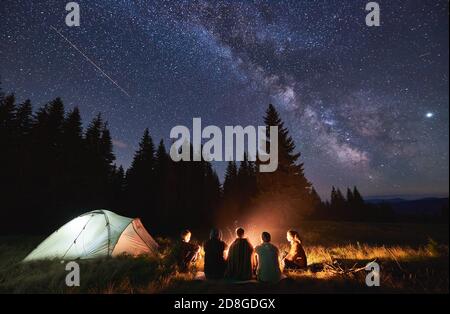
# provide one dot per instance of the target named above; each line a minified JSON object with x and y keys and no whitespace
{"x":267,"y":260}
{"x":240,"y":258}
{"x":187,"y":252}
{"x":215,"y":263}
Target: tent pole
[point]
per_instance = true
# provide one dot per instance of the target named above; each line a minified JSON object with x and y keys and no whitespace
{"x":109,"y":231}
{"x":74,"y":241}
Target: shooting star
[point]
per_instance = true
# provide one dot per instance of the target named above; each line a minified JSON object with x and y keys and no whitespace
{"x":90,"y":61}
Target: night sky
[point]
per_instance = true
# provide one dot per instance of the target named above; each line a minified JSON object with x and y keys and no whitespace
{"x":367,"y":106}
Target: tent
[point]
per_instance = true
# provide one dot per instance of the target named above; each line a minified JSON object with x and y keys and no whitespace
{"x":98,"y":233}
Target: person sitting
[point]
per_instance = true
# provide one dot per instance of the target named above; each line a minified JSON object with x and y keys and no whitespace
{"x":187,"y":252}
{"x":240,"y":258}
{"x":296,"y":258}
{"x":267,"y":260}
{"x":215,"y":263}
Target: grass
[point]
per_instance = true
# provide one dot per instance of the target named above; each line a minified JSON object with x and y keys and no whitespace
{"x":412,"y":257}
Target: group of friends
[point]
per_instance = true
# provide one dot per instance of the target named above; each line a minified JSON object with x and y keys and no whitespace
{"x":243,"y":261}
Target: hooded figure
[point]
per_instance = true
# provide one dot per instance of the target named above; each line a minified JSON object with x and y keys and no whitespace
{"x":214,"y":256}
{"x":240,"y":257}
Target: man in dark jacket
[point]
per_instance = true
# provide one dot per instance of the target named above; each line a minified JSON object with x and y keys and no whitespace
{"x":240,"y":258}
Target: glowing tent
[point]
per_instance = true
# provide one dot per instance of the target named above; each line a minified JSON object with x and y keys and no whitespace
{"x":98,"y":233}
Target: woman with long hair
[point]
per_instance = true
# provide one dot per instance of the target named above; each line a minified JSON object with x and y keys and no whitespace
{"x":214,"y":255}
{"x":296,"y":258}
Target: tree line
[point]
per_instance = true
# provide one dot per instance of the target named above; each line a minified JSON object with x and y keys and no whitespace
{"x":52,"y":169}
{"x":352,"y":207}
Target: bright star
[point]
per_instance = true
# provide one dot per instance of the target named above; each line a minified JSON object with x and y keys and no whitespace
{"x":429,"y":115}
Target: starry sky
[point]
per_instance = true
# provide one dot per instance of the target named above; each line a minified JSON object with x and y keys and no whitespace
{"x":366,"y":106}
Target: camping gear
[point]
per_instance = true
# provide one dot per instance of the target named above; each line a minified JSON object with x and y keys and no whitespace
{"x":99,"y":233}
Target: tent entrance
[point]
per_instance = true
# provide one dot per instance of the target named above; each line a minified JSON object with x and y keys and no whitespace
{"x":135,"y":240}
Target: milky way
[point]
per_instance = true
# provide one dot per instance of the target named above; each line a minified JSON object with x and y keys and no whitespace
{"x":367,"y":106}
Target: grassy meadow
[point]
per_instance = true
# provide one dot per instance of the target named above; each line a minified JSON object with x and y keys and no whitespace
{"x":413,"y":258}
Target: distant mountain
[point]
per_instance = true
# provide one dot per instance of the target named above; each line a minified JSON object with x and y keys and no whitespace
{"x":425,"y":206}
{"x":387,"y":200}
{"x":405,"y":197}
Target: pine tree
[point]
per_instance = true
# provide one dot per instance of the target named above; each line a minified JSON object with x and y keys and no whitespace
{"x":333,"y":193}
{"x":144,"y":156}
{"x":340,"y":201}
{"x":47,"y":137}
{"x":106,"y":147}
{"x":118,"y":189}
{"x":337,"y":204}
{"x":73,"y":158}
{"x":333,"y":213}
{"x":287,"y":188}
{"x":73,"y":146}
{"x":161,"y":158}
{"x":93,"y":134}
{"x":24,"y":157}
{"x":361,"y":210}
{"x":350,"y":198}
{"x":229,"y":212}
{"x":245,"y":185}
{"x":8,"y":166}
{"x":24,"y":118}
{"x":93,"y":145}
{"x":316,"y":201}
{"x":357,"y":198}
{"x":162,"y":186}
{"x":140,"y":179}
{"x":55,"y":119}
{"x":72,"y":127}
{"x":7,"y":121}
{"x":229,"y":185}
{"x":120,"y":179}
{"x":351,"y":212}
{"x":211,"y":193}
{"x":98,"y":161}
{"x":7,"y":111}
{"x":2,"y":94}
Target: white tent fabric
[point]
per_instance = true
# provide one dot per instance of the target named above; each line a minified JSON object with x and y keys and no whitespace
{"x":134,"y":240}
{"x":98,"y":233}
